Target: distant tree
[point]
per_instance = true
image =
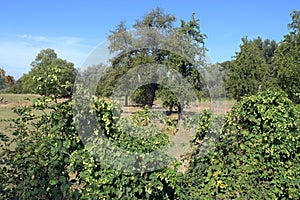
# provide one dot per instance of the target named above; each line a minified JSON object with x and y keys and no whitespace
{"x":108,"y":81}
{"x":156,"y":22}
{"x":17,"y":87}
{"x":267,"y":48}
{"x":3,"y":83}
{"x":6,"y":81}
{"x":295,"y":24}
{"x":287,"y":60}
{"x":10,"y":80}
{"x":247,"y":72}
{"x":49,"y":75}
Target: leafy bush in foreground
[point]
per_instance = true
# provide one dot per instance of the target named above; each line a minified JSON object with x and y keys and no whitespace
{"x":49,"y":161}
{"x":257,"y":156}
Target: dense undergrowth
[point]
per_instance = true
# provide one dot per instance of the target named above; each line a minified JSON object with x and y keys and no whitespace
{"x":255,"y":155}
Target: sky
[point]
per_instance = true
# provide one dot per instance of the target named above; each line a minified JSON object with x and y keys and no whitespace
{"x":75,"y":28}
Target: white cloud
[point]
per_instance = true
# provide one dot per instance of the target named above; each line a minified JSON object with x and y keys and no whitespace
{"x":18,"y":51}
{"x":34,"y":38}
{"x":64,"y":40}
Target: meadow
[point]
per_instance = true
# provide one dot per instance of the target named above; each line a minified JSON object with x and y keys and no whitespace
{"x":9,"y":102}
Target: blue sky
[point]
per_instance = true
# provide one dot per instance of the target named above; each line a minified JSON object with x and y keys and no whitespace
{"x":74,"y":28}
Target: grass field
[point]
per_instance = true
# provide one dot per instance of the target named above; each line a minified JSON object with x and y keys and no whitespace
{"x":8,"y":103}
{"x":216,"y":106}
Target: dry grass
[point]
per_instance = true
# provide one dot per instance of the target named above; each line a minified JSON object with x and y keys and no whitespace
{"x":14,"y":100}
{"x":217,"y":107}
{"x":11,"y":101}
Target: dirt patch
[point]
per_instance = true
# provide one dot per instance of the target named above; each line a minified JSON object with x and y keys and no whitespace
{"x":220,"y":107}
{"x":12,"y":105}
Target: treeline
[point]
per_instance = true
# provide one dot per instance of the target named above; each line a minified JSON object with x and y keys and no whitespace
{"x":264,"y":64}
{"x":258,"y":66}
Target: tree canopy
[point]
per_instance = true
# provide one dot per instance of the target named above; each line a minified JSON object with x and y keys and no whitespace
{"x":247,"y":73}
{"x":3,"y":84}
{"x":144,"y":45}
{"x":265,"y":64}
{"x":49,"y":75}
{"x":287,"y":60}
{"x":6,"y":81}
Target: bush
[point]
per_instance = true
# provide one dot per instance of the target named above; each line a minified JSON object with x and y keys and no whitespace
{"x":49,"y":160}
{"x":257,"y":156}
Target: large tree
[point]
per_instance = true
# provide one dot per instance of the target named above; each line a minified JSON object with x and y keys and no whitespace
{"x":49,"y":75}
{"x":287,"y":60}
{"x":267,"y":48}
{"x":247,"y":72}
{"x":148,"y":30}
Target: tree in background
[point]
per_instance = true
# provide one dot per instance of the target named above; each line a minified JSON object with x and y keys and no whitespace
{"x":123,"y":42}
{"x":267,"y":48}
{"x":287,"y":60}
{"x":10,"y":81}
{"x":3,"y":84}
{"x":53,"y":75}
{"x":247,"y":73}
{"x":108,"y":81}
{"x":6,"y":81}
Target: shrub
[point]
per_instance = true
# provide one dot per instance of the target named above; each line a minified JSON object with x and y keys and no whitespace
{"x":257,"y":156}
{"x":49,"y":161}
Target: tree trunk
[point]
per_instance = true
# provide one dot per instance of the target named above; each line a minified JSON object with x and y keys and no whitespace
{"x":179,"y":112}
{"x":151,"y":96}
{"x":126,"y":101}
{"x":153,"y":87}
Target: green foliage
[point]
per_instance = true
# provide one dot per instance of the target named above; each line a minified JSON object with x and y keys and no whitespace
{"x":295,"y":25}
{"x":37,"y":163}
{"x":3,"y":81}
{"x":256,"y":157}
{"x":267,"y":48}
{"x":247,"y":74}
{"x":258,"y":154}
{"x":108,"y":80}
{"x":3,"y":85}
{"x":140,"y":95}
{"x":287,"y":61}
{"x":49,"y":161}
{"x":170,"y":101}
{"x":49,"y":75}
{"x":102,"y":181}
{"x":149,"y":30}
{"x":264,"y":65}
